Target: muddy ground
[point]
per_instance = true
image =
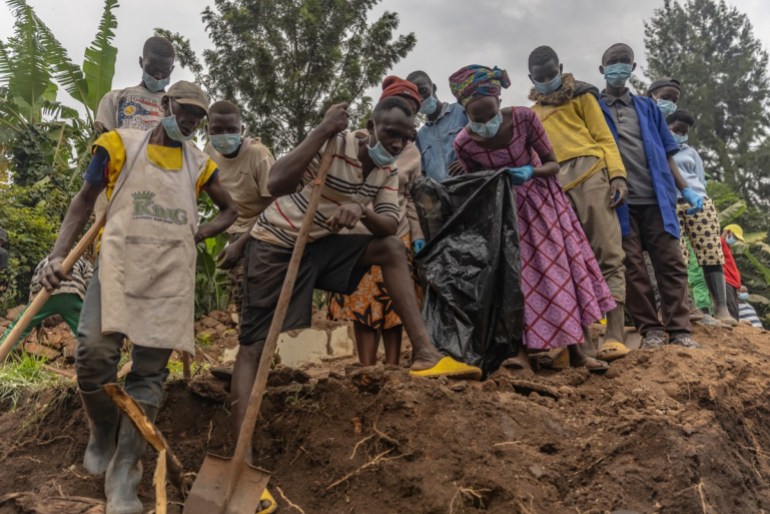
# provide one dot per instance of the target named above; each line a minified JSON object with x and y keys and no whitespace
{"x":669,"y":430}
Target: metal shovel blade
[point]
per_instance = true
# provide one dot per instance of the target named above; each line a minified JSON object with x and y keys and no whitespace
{"x":209,"y":494}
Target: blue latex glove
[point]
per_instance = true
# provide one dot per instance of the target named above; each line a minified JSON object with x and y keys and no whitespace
{"x":693,"y":199}
{"x":520,"y":175}
{"x":418,"y":244}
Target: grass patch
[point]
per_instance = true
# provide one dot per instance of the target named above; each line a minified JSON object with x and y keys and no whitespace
{"x":25,"y":374}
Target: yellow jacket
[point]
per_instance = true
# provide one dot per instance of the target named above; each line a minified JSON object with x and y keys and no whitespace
{"x":577,"y":128}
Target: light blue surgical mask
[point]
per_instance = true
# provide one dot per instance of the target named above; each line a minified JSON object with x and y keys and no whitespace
{"x":226,"y":144}
{"x":429,"y":105}
{"x":667,"y":107}
{"x":489,"y":129}
{"x":153,"y":84}
{"x":731,"y":240}
{"x":680,"y":139}
{"x":379,"y":154}
{"x":743,"y":296}
{"x":617,"y":74}
{"x":549,"y":87}
{"x":172,"y":129}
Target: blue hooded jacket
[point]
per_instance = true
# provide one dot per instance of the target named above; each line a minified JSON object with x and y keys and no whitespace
{"x":658,"y":146}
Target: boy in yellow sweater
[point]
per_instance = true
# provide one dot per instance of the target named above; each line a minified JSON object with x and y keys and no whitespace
{"x":592,"y":173}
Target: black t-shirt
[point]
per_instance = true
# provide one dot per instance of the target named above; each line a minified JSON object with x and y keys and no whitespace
{"x":3,"y":258}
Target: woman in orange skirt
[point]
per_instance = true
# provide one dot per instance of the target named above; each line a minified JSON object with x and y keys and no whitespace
{"x":370,"y":307}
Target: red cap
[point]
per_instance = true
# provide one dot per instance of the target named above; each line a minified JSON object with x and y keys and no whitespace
{"x":396,"y":86}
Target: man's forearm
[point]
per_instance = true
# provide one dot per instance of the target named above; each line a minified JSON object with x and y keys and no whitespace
{"x":287,"y":171}
{"x":378,"y":224}
{"x":74,"y":221}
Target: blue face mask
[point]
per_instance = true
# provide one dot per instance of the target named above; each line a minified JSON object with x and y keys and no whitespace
{"x":379,"y":154}
{"x":617,"y":74}
{"x":743,"y":296}
{"x":429,"y":105}
{"x":548,"y":87}
{"x":731,"y":240}
{"x":226,"y":144}
{"x":667,"y":107}
{"x":153,"y":84}
{"x":489,"y":129}
{"x":680,"y":139}
{"x":172,"y":129}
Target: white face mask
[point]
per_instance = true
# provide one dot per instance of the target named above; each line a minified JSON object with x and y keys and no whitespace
{"x":379,"y":154}
{"x":171,"y":127}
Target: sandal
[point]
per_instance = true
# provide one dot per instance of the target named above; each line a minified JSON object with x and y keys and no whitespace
{"x":448,"y":367}
{"x":267,"y":503}
{"x":611,"y":350}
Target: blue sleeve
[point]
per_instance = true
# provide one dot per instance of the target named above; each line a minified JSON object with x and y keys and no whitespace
{"x":96,"y":174}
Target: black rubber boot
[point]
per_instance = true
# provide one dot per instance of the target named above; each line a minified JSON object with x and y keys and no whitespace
{"x":103,"y":419}
{"x":125,"y":470}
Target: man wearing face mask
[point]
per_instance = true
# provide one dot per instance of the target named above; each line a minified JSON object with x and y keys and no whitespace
{"x":139,"y":107}
{"x":244,"y":167}
{"x":647,"y":148}
{"x":591,"y":173}
{"x":144,"y":282}
{"x":361,"y":185}
{"x":731,"y":234}
{"x":435,"y":139}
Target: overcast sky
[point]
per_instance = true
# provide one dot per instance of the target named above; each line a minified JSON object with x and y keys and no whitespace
{"x":450,"y":33}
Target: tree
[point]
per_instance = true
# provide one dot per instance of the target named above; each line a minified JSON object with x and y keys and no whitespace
{"x":44,"y":145}
{"x":711,"y":48}
{"x":284,"y":62}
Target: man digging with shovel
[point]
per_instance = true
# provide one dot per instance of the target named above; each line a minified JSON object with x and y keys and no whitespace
{"x":143,"y":285}
{"x":362,"y":185}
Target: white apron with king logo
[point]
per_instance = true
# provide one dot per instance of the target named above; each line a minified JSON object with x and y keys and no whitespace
{"x":147,"y":259}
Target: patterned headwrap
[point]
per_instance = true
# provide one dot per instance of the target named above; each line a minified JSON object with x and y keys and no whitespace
{"x":396,"y":86}
{"x":475,"y":81}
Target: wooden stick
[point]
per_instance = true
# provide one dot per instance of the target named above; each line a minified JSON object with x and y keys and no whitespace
{"x":276,"y":325}
{"x":186,"y":374}
{"x":149,"y":432}
{"x":41,"y":297}
{"x":159,"y":480}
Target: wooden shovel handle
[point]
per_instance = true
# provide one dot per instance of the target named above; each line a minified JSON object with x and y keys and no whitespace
{"x":255,"y":400}
{"x":43,"y":295}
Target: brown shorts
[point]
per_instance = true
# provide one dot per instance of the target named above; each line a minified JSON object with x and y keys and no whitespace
{"x":329,"y":264}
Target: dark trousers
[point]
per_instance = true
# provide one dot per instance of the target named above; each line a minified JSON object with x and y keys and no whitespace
{"x":732,"y":301}
{"x":647,"y":233}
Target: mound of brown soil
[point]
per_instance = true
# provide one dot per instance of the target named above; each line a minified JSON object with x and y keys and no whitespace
{"x":669,"y":430}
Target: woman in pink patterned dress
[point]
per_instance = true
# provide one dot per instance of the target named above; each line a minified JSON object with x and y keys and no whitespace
{"x":564,"y":290}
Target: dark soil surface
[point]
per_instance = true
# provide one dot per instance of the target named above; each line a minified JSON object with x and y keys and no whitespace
{"x":668,"y":430}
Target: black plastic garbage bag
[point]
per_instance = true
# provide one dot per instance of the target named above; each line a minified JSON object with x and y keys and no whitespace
{"x":471,"y":267}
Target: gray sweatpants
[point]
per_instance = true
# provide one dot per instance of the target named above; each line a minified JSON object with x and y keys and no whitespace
{"x":98,"y":355}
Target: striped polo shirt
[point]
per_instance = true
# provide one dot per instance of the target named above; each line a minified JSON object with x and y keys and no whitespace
{"x":279,"y":224}
{"x":81,"y":275}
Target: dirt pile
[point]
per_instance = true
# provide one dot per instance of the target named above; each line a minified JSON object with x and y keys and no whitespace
{"x":669,"y":430}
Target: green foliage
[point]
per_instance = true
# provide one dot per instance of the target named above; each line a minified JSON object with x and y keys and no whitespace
{"x":25,"y":374}
{"x":284,"y":62}
{"x":30,"y":235}
{"x":44,"y":145}
{"x":100,"y":57}
{"x":711,"y":48}
{"x":212,"y":287}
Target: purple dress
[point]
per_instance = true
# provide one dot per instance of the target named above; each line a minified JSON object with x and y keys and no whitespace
{"x":563,"y":287}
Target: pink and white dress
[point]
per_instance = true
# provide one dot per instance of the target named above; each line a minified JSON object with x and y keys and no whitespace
{"x":564,"y":290}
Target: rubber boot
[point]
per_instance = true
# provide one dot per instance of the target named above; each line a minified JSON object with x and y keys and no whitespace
{"x":125,"y":470}
{"x":715,"y":281}
{"x":103,"y":419}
